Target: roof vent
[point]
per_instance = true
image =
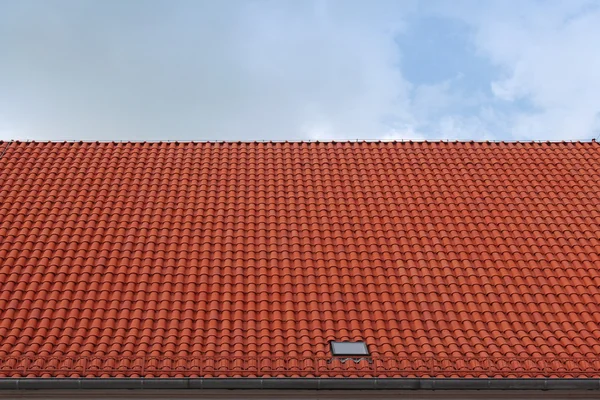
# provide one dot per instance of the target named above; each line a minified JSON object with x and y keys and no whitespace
{"x":356,"y":351}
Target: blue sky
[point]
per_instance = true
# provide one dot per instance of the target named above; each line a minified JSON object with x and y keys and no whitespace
{"x":299,"y":70}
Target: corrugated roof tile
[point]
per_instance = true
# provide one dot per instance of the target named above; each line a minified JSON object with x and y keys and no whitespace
{"x":245,"y":259}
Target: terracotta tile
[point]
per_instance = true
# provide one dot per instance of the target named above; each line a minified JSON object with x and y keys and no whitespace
{"x":431,"y":250}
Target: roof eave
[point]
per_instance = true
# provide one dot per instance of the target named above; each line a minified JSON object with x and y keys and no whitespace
{"x":303,"y":383}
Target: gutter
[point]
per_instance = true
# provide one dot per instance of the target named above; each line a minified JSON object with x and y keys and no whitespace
{"x":302,"y":383}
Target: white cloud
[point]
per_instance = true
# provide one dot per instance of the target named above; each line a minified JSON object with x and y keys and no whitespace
{"x":408,"y":133}
{"x":201,"y":70}
{"x":548,"y":51}
{"x":288,"y":70}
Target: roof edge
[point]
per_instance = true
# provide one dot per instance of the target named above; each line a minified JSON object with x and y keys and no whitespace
{"x":540,"y":141}
{"x":301,"y":383}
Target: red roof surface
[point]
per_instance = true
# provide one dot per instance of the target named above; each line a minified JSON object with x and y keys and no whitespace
{"x":246,"y":259}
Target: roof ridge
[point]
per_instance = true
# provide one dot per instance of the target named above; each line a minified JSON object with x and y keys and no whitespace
{"x":449,"y":141}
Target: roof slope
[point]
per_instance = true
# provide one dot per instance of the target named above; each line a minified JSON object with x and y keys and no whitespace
{"x":245,"y":259}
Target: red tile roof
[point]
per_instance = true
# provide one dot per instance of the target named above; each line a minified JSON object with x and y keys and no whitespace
{"x":246,"y":259}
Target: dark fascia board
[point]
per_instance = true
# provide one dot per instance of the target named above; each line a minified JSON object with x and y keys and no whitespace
{"x":301,"y":383}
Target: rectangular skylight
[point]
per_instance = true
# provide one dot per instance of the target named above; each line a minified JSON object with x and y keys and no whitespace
{"x":349,"y":349}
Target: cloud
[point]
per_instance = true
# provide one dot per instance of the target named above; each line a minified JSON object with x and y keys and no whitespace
{"x":547,"y":52}
{"x":297,"y":70}
{"x":200,"y":70}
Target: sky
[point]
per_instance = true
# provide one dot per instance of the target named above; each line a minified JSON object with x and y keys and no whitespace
{"x":299,"y":70}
